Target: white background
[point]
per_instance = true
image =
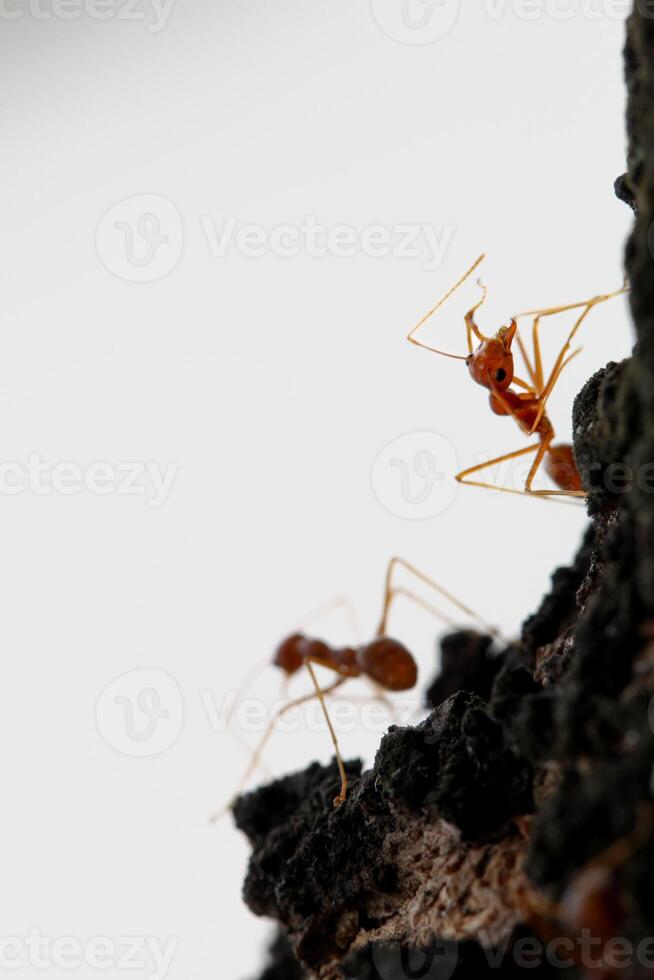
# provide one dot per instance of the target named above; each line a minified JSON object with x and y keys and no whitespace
{"x":272,"y":382}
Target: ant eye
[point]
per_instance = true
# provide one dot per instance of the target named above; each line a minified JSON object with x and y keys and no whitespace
{"x":469,"y":359}
{"x":500,"y":374}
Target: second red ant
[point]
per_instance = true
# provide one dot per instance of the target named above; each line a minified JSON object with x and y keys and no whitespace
{"x":384,"y":661}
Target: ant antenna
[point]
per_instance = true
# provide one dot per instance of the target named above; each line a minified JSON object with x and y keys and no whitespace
{"x":411,"y":337}
{"x":326,"y":608}
{"x":248,"y":680}
{"x":471,"y":326}
{"x":256,"y":671}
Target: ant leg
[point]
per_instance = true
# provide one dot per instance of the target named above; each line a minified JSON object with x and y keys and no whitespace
{"x":537,"y":448}
{"x":561,"y":363}
{"x":538,"y":356}
{"x":593,"y":301}
{"x":619,"y":852}
{"x":391,"y":591}
{"x":540,"y":494}
{"x":245,"y":684}
{"x":256,"y":756}
{"x":552,"y":311}
{"x":541,"y":387}
{"x":523,"y":384}
{"x":419,"y":601}
{"x":380,"y":695}
{"x":545,"y":445}
{"x":320,"y":694}
{"x":339,"y":602}
{"x":530,"y":368}
{"x":540,"y":456}
{"x":247,"y":749}
{"x":464,"y":474}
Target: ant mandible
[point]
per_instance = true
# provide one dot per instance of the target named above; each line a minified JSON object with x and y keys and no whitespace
{"x":383,"y":661}
{"x":491,"y":365}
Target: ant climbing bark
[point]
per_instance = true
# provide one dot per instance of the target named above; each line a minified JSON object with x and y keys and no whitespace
{"x":593,"y":904}
{"x":385,"y":662}
{"x":491,"y":365}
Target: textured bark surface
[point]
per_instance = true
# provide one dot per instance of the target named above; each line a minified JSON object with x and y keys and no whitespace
{"x":475,"y":829}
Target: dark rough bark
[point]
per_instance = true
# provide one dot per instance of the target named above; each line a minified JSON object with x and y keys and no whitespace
{"x":469,"y":662}
{"x":535,"y":759}
{"x":282,"y":961}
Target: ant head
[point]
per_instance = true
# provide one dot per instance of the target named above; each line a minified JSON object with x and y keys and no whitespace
{"x":491,"y":365}
{"x":388,"y":663}
{"x":289,"y":655}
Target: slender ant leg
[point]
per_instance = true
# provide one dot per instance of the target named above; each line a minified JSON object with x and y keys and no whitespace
{"x":320,"y":694}
{"x":391,"y":591}
{"x":266,"y":737}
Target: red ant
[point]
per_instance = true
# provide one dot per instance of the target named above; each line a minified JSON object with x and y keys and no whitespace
{"x":592,"y":903}
{"x":491,"y":366}
{"x":384,"y":661}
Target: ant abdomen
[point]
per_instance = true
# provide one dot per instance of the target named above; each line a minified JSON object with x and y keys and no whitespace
{"x":388,"y":663}
{"x":593,"y":903}
{"x":562,"y":468}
